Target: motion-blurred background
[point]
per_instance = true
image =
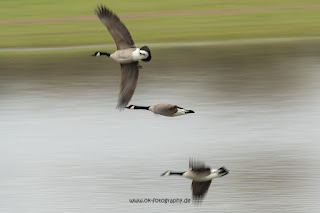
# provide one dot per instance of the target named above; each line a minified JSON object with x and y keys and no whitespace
{"x":249,"y":69}
{"x":40,"y":23}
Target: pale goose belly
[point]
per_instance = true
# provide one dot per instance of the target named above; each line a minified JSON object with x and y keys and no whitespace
{"x":126,"y":56}
{"x":198,"y":177}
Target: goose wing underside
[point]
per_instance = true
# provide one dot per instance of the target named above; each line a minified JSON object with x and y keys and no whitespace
{"x":128,"y":83}
{"x":199,"y":189}
{"x":117,"y":29}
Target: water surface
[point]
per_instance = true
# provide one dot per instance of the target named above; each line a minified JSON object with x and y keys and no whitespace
{"x":64,"y":147}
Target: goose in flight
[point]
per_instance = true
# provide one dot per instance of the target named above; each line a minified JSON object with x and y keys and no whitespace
{"x":127,"y":54}
{"x":201,"y":176}
{"x":163,"y":109}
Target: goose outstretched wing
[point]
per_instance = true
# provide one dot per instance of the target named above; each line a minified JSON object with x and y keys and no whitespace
{"x":199,"y":167}
{"x":128,"y":83}
{"x":117,"y":29}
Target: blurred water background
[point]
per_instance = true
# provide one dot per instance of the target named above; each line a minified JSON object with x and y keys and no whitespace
{"x":64,"y":147}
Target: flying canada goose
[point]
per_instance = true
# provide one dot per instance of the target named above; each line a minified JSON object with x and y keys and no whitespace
{"x":127,"y":54}
{"x":201,"y":176}
{"x":163,"y":109}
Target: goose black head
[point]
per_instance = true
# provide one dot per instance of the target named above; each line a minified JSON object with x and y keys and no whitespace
{"x":98,"y":53}
{"x":130,"y":107}
{"x":189,"y":111}
{"x":146,"y":48}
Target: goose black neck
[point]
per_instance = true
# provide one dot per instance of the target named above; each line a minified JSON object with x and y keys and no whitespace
{"x":142,"y":107}
{"x":176,"y":173}
{"x":103,"y":53}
